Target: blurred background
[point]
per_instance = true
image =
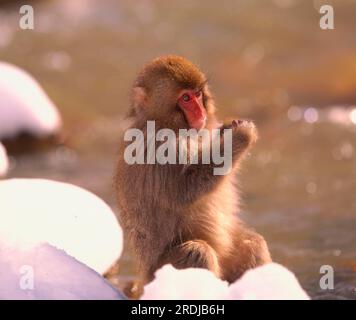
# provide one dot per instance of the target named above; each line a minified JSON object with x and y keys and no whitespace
{"x":267,"y":60}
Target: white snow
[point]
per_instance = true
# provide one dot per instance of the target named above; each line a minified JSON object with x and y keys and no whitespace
{"x":271,"y":281}
{"x":4,"y":161}
{"x":185,"y":284}
{"x":24,"y":106}
{"x":45,"y":272}
{"x":68,"y":217}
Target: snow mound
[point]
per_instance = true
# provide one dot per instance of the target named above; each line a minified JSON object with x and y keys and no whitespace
{"x":45,"y":272}
{"x":33,"y":211}
{"x":186,"y":284}
{"x":24,"y":106}
{"x":270,"y":281}
{"x":4,"y":161}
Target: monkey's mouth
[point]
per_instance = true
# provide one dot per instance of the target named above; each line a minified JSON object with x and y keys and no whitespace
{"x":197,"y":123}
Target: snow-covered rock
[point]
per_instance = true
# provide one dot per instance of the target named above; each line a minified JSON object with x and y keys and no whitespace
{"x":271,"y":281}
{"x":268,"y":282}
{"x":24,"y":106}
{"x":45,"y":272}
{"x":185,"y":284}
{"x":4,"y":161}
{"x":33,"y":211}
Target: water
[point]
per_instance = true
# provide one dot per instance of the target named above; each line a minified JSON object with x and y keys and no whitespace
{"x":269,"y":62}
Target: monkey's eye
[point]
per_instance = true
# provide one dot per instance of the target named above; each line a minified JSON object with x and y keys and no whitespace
{"x":198,"y":94}
{"x":186,"y":97}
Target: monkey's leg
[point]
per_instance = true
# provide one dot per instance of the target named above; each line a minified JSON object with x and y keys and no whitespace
{"x":250,"y":251}
{"x":193,"y":254}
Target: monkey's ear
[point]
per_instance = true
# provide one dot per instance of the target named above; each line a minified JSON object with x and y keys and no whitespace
{"x":139,"y":99}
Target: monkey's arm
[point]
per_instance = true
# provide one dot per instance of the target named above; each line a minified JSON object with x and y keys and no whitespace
{"x":202,"y":176}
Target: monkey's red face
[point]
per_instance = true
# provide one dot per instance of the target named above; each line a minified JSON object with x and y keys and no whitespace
{"x":191,"y":104}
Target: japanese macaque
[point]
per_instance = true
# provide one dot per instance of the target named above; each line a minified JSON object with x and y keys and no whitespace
{"x":184,"y":214}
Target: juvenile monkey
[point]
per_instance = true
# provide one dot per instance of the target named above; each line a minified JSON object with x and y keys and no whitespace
{"x":183,"y":214}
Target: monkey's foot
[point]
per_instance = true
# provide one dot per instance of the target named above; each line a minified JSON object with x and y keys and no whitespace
{"x":194,"y":254}
{"x":251,"y":251}
{"x":133,"y":289}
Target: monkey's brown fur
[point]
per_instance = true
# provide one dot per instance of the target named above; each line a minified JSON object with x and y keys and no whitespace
{"x":184,"y":214}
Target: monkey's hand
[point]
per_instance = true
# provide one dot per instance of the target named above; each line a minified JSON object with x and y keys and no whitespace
{"x":203,"y":176}
{"x":244,"y":134}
